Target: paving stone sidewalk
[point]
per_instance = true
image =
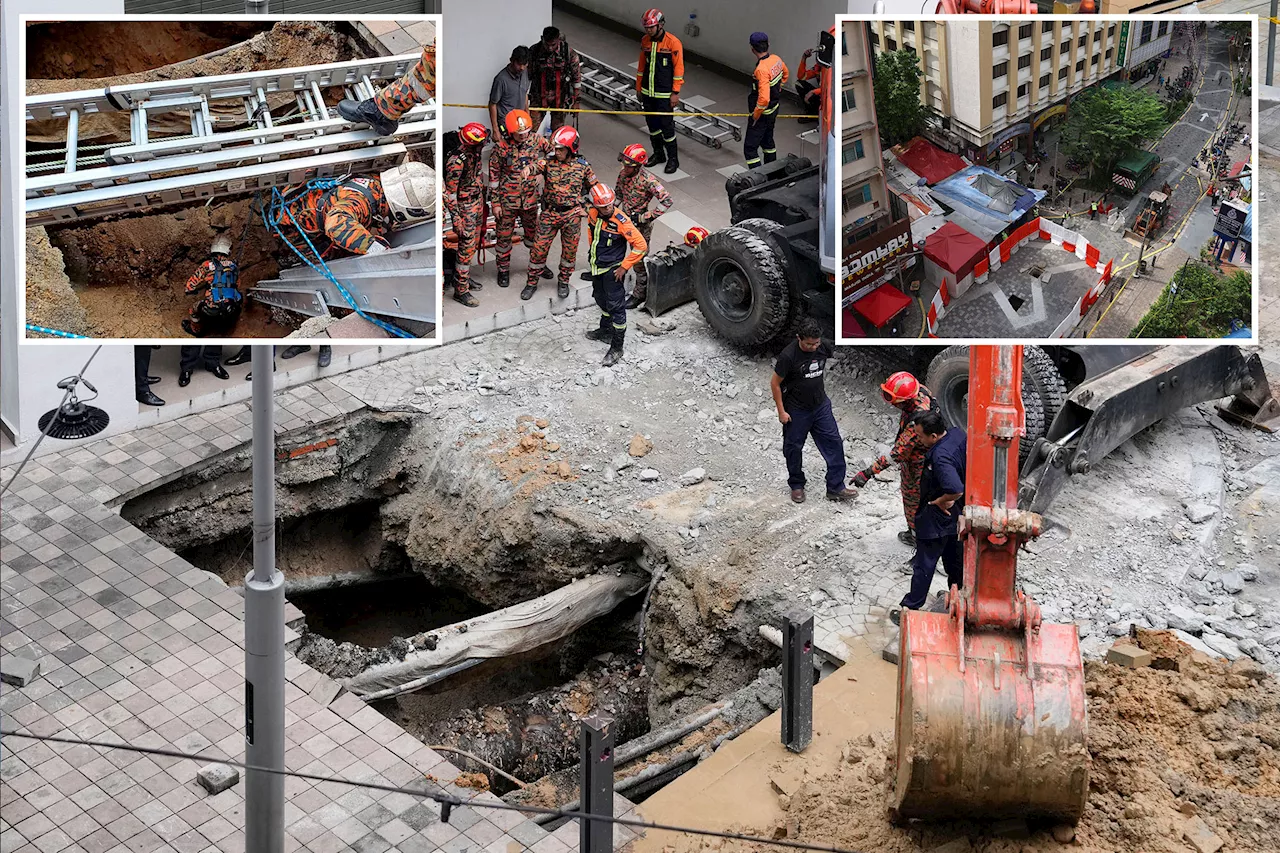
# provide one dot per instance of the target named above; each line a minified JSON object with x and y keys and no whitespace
{"x":137,"y":645}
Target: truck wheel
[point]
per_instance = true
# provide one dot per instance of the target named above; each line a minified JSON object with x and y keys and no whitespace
{"x":1047,"y":379}
{"x":740,"y":287}
{"x":765,"y":229}
{"x":948,"y":379}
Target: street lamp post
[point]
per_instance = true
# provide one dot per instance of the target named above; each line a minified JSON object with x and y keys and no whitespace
{"x":1271,"y":42}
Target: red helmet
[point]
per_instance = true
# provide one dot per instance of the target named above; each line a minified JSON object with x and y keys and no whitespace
{"x":565,"y":137}
{"x":900,"y":387}
{"x":654,"y":18}
{"x":473,"y":133}
{"x":601,"y":195}
{"x":696,"y":235}
{"x":518,"y":121}
{"x":634,"y":154}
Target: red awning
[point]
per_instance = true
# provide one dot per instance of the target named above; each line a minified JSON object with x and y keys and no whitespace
{"x":882,"y":304}
{"x":849,"y":325}
{"x":1237,"y":168}
{"x":954,"y":249}
{"x":929,"y":161}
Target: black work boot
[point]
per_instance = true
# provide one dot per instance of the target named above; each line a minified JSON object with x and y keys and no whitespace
{"x":673,"y":158}
{"x":907,"y":537}
{"x":546,"y":274}
{"x":367,"y":112}
{"x":658,"y":156}
{"x":614,"y":355}
{"x":529,"y":290}
{"x":603,"y":334}
{"x":504,"y":278}
{"x":294,"y":351}
{"x":326,"y":356}
{"x":635,"y":300}
{"x":465,"y":297}
{"x":562,"y":289}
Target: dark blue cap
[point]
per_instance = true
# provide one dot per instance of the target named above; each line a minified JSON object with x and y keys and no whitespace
{"x":759,"y":38}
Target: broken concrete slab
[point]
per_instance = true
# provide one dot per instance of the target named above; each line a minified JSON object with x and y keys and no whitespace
{"x":1232,"y":582}
{"x":1195,"y":643}
{"x":216,"y":778}
{"x":1199,"y":513}
{"x":1126,"y":654}
{"x":1184,"y":619}
{"x":693,"y":477}
{"x":1222,"y":645}
{"x":18,"y":671}
{"x":1247,"y":571}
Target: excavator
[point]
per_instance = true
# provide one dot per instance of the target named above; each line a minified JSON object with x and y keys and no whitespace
{"x":1151,"y":218}
{"x":991,"y":714}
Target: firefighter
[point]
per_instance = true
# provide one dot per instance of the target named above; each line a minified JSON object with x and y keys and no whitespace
{"x":611,"y":233}
{"x":636,"y":189}
{"x":555,"y":78}
{"x":382,"y":112}
{"x":659,"y":77}
{"x":218,"y":278}
{"x":906,"y":394}
{"x":567,"y":178}
{"x":353,"y":216}
{"x":766,"y":89}
{"x":464,"y":195}
{"x":515,"y":196}
{"x":808,"y":86}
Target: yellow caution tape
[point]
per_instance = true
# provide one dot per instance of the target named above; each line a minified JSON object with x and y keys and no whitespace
{"x":629,"y":112}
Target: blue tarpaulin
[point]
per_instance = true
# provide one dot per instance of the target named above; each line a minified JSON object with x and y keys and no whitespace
{"x":983,"y":202}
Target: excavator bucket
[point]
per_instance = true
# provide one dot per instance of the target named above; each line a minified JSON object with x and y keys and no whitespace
{"x":670,"y":279}
{"x":991,"y":723}
{"x":991,"y":700}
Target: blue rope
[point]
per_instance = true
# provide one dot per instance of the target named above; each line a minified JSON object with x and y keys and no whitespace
{"x":31,"y":327}
{"x":271,"y":219}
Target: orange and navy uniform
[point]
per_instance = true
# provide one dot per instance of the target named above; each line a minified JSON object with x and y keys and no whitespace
{"x":564,"y":186}
{"x":615,"y":242}
{"x":806,"y":73}
{"x":218,"y":279}
{"x":347,"y":218}
{"x":660,"y":73}
{"x":763,"y":102}
{"x":415,"y":86}
{"x":908,"y":454}
{"x":516,"y":195}
{"x":464,"y":195}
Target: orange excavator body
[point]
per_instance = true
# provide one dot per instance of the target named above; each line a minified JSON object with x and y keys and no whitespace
{"x":991,"y":715}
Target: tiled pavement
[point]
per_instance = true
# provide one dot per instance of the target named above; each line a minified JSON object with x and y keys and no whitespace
{"x":137,"y":645}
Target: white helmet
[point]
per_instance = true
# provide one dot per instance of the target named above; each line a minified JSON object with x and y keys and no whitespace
{"x":221,"y":245}
{"x":411,"y":193}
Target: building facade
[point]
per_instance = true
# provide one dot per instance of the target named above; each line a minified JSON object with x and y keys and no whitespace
{"x":864,"y":198}
{"x":1147,"y":40}
{"x":992,"y":84}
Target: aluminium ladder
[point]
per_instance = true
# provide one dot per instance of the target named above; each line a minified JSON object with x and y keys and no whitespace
{"x":615,"y":89}
{"x":311,"y":141}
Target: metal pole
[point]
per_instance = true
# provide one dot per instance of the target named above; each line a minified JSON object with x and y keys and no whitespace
{"x":596,"y":836}
{"x":1271,"y":42}
{"x":797,"y":681}
{"x":73,"y":139}
{"x":264,"y":633}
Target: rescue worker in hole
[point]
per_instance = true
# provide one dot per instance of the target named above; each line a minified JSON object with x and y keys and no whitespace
{"x":555,"y":78}
{"x":636,"y":189}
{"x":567,"y":178}
{"x":659,"y":78}
{"x":464,"y":196}
{"x":382,"y":112}
{"x":766,"y":90}
{"x":218,"y":278}
{"x":353,"y":217}
{"x":615,"y":246}
{"x":513,"y":195}
{"x":906,"y":394}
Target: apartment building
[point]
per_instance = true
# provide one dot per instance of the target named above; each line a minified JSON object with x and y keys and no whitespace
{"x":1147,"y":40}
{"x":864,"y":198}
{"x":992,"y":84}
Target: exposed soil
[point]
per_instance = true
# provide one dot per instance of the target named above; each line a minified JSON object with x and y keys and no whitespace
{"x":1169,"y":748}
{"x":92,"y":49}
{"x":51,"y":299}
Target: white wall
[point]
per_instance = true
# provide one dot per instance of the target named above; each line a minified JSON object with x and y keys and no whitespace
{"x":726,"y":25}
{"x":17,"y":360}
{"x":483,"y":32}
{"x":963,"y":65}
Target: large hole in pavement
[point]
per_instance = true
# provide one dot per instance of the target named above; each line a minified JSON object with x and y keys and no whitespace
{"x":92,"y":49}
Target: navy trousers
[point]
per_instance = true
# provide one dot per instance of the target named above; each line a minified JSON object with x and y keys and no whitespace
{"x":207,"y":357}
{"x":821,"y":424}
{"x":928,"y":551}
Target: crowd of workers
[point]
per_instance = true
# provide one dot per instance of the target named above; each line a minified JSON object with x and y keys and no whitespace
{"x":930,"y":455}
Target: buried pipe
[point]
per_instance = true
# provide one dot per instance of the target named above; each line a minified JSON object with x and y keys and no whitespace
{"x":323,"y":583}
{"x":646,"y":744}
{"x":425,"y":681}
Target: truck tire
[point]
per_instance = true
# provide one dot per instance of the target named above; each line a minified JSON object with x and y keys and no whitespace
{"x":740,"y":287}
{"x":948,"y":379}
{"x":765,"y":229}
{"x":1048,"y":382}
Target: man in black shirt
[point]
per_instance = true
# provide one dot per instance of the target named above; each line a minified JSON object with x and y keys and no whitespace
{"x":941,"y":504}
{"x":804,"y":409}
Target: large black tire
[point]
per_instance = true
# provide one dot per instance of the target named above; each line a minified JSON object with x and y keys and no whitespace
{"x":1047,"y":380}
{"x":765,"y":229}
{"x":740,"y":287}
{"x":948,"y":379}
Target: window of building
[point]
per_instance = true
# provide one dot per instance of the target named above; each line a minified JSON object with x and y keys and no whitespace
{"x":1024,"y":61}
{"x":1024,"y":31}
{"x":1145,"y":35}
{"x":1109,"y":52}
{"x":909,"y":25}
{"x":1082,"y":41}
{"x":857,"y":196}
{"x":1163,"y":28}
{"x":1000,"y":37}
{"x":1044,"y":81}
{"x":1111,"y":30}
{"x":1001,"y":69}
{"x":1097,"y":36}
{"x":1095,"y":59}
{"x":848,"y":101}
{"x":875,"y":39}
{"x":1062,"y":72}
{"x":1046,"y":27}
{"x":890,"y":44}
{"x":1000,"y":100}
{"x":854,"y":151}
{"x":1065,"y":47}
{"x":1046,"y":53}
{"x":1080,"y":65}
{"x":1022,"y":90}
